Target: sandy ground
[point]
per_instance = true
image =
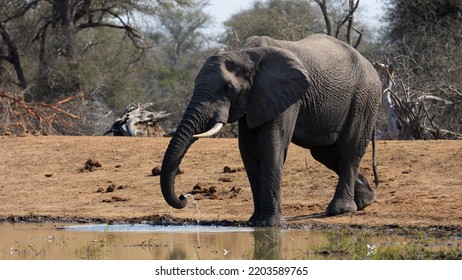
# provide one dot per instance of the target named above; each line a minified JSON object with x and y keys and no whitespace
{"x":420,"y":182}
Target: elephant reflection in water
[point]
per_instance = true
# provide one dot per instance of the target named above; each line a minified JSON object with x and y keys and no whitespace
{"x":267,"y":244}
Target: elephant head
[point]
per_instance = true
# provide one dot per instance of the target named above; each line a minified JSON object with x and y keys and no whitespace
{"x":256,"y":83}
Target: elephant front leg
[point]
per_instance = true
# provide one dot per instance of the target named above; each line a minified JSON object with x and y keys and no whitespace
{"x":248,"y":147}
{"x":263,"y":152}
{"x":270,"y":195}
{"x":264,"y":168}
{"x":266,"y":189}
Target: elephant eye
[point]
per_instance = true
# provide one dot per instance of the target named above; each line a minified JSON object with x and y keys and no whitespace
{"x":228,"y":88}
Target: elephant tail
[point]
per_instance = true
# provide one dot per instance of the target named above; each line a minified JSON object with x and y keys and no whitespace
{"x":374,"y":163}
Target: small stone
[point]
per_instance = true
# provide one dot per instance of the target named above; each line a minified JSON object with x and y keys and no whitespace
{"x":228,"y":169}
{"x":226,"y":179}
{"x":110,"y":188}
{"x":156,"y":171}
{"x":48,"y":175}
{"x":212,"y":190}
{"x":235,"y":190}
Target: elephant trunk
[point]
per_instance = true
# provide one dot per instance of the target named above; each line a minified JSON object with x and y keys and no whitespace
{"x":177,"y":148}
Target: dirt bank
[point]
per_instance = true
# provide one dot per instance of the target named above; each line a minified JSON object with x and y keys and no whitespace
{"x":420,"y":182}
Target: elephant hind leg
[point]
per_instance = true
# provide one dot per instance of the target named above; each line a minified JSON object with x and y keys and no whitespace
{"x":343,"y":201}
{"x":363,"y":194}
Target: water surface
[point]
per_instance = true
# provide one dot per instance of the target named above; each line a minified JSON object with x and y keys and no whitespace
{"x":138,"y":242}
{"x":147,"y":242}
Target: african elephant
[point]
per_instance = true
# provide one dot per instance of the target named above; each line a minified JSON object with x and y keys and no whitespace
{"x":318,"y":93}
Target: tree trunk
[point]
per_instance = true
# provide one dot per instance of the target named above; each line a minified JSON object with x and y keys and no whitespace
{"x":13,"y":56}
{"x":63,"y":32}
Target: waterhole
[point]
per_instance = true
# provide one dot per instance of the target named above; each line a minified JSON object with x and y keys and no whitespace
{"x":146,"y":242}
{"x":101,"y":241}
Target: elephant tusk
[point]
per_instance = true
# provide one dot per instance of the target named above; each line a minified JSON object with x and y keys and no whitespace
{"x":214,"y":130}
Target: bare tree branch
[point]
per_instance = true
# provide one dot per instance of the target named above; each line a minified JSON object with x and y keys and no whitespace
{"x":360,"y":36}
{"x":406,"y":119}
{"x":347,"y":19}
{"x":323,"y":6}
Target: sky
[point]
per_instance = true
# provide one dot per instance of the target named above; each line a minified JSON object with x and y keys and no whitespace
{"x":222,"y":10}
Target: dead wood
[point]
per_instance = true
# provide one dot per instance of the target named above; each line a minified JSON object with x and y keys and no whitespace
{"x":138,"y":121}
{"x":408,"y":117}
{"x":18,"y":117}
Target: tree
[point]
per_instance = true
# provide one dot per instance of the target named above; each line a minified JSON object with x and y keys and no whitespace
{"x":89,"y":46}
{"x":289,"y":20}
{"x":11,"y":11}
{"x":59,"y":23}
{"x":180,"y":28}
{"x":339,"y":19}
{"x":425,"y":48}
{"x":56,"y":24}
{"x":12,"y":55}
{"x":296,"y":19}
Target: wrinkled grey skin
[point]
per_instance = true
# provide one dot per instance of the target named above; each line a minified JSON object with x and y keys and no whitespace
{"x":318,"y":93}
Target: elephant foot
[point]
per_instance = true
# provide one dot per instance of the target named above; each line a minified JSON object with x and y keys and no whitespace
{"x":268,"y":221}
{"x":254,"y":218}
{"x":364,"y":195}
{"x":341,"y":206}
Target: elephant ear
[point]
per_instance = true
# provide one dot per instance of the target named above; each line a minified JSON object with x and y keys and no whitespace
{"x":280,"y":80}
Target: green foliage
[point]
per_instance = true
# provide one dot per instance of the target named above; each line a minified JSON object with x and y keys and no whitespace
{"x":289,"y":20}
{"x":294,"y":20}
{"x":94,"y":250}
{"x":180,"y":29}
{"x":106,"y":59}
{"x":345,"y":244}
{"x":429,"y":31}
{"x":423,"y":21}
{"x":363,"y":245}
{"x":169,"y":89}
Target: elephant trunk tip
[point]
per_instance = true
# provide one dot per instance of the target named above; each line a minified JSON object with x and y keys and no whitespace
{"x":183,"y":201}
{"x":179,"y":202}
